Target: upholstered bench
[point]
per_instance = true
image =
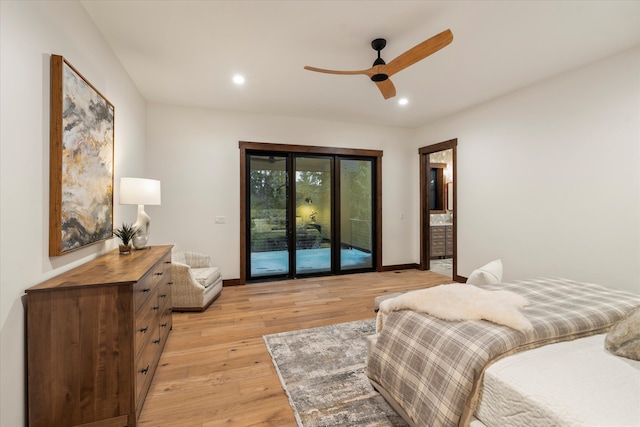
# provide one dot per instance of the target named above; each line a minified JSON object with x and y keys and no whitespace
{"x":373,"y":339}
{"x":196,"y":282}
{"x":378,"y":300}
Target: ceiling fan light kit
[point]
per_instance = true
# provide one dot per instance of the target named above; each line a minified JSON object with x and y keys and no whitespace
{"x":380,"y":71}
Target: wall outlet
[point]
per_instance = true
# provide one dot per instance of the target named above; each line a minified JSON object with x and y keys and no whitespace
{"x":220,"y":220}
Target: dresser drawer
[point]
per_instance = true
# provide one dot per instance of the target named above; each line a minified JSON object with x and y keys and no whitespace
{"x":166,"y":323}
{"x":142,"y":291}
{"x":166,"y":319}
{"x":164,"y":285}
{"x":164,"y":297}
{"x":157,"y":273}
{"x":145,"y":365}
{"x":146,"y":322}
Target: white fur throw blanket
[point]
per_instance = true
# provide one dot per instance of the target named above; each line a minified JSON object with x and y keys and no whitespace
{"x":458,"y":301}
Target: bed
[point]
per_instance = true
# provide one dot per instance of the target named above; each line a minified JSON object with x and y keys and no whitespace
{"x":571,"y":383}
{"x":458,"y":373}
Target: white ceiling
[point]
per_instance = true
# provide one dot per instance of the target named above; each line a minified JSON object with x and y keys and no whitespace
{"x":186,"y":52}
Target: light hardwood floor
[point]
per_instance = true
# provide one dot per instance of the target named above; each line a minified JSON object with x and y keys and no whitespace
{"x":216,"y":370}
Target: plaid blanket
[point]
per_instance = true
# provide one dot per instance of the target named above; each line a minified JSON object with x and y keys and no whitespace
{"x":433,"y":368}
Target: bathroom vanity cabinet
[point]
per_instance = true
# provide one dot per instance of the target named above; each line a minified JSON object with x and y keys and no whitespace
{"x":441,"y":241}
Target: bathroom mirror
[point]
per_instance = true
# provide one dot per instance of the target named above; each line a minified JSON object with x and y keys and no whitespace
{"x":437,"y":188}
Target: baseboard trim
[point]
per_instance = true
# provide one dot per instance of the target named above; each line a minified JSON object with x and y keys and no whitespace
{"x":399,"y":267}
{"x":231,"y":282}
{"x":237,"y":282}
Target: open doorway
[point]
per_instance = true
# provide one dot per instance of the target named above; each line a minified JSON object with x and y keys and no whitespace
{"x":438,"y":209}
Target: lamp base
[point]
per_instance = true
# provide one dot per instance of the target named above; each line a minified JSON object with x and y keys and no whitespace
{"x":143,"y":223}
{"x":140,"y":242}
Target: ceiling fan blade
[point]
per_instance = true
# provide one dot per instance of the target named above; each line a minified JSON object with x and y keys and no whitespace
{"x":418,"y":52}
{"x":387,"y":88}
{"x":322,"y":70}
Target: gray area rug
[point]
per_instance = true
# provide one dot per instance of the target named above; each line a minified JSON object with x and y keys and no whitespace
{"x":322,"y":371}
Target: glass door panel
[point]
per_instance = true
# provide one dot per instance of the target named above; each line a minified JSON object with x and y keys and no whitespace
{"x":356,"y":214}
{"x":313,"y":208}
{"x":268,"y":210}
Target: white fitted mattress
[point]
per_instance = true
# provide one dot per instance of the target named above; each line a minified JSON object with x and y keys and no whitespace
{"x":571,"y":383}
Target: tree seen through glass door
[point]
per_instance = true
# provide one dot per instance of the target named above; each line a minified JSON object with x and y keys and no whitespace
{"x":268,"y":229}
{"x":313,"y":214}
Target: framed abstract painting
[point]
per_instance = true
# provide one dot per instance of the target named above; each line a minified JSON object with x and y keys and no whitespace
{"x":81,"y":161}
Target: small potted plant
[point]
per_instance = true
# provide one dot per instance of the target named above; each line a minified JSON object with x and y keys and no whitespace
{"x":126,"y":234}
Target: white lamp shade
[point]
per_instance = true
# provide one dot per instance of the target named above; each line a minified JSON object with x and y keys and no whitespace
{"x":139,"y":191}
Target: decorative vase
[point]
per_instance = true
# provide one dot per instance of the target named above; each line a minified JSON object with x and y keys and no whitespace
{"x":125,"y":249}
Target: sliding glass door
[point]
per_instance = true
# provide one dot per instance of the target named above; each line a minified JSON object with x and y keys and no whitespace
{"x":314,"y":207}
{"x":356,"y":214}
{"x":309,"y":215}
{"x":268,"y":215}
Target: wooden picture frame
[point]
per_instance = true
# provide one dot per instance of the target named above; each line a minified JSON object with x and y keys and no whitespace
{"x":81,"y":161}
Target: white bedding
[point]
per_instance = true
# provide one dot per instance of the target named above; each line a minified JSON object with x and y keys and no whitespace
{"x":571,"y":383}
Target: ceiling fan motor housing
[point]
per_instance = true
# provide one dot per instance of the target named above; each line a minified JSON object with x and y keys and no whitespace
{"x":378,"y":45}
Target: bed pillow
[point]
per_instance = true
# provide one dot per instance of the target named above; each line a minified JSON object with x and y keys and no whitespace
{"x":623,"y":339}
{"x":487,"y":274}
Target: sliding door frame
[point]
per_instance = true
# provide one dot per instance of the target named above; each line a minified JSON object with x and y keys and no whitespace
{"x":247,"y":147}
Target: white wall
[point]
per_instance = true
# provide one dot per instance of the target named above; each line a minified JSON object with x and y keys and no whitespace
{"x":195,"y":153}
{"x":549,"y":176}
{"x":30,"y":32}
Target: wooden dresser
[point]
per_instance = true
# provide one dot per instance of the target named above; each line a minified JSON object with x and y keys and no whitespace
{"x":94,"y":339}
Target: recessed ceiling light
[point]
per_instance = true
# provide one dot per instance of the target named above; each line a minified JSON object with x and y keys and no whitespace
{"x":403,"y":101}
{"x":238,"y":79}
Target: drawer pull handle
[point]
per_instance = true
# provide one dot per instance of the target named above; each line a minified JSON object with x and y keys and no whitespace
{"x":169,"y":283}
{"x":145,"y":370}
{"x":164,"y":325}
{"x":156,"y":341}
{"x":159,"y":274}
{"x":167,"y":262}
{"x":163,"y":296}
{"x":144,"y":330}
{"x":146,"y":290}
{"x":156,"y":307}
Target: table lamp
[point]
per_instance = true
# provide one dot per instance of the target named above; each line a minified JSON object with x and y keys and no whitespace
{"x":140,"y":191}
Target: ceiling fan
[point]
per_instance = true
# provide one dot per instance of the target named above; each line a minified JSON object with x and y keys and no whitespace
{"x":380,"y":72}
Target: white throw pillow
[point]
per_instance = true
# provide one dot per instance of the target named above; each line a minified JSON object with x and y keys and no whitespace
{"x":487,"y":274}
